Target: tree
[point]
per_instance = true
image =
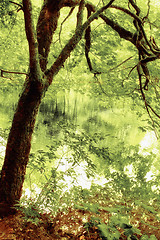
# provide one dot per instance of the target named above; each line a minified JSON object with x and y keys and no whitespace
{"x":40,"y":76}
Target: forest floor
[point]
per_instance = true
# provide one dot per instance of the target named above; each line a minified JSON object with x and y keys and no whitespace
{"x":77,"y":224}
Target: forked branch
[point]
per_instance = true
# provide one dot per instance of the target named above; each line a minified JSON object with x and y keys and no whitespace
{"x":70,"y":46}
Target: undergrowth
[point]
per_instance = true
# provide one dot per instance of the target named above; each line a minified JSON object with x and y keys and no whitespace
{"x":96,"y":216}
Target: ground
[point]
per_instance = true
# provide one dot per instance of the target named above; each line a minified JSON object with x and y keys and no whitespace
{"x":77,"y":224}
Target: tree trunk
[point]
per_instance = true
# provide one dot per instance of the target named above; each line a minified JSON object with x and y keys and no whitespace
{"x":19,"y":140}
{"x":18,"y":145}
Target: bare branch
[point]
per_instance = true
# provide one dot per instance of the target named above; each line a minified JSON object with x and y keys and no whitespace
{"x":17,"y":4}
{"x":142,"y":44}
{"x":121,"y":31}
{"x":88,"y":40}
{"x":12,"y":72}
{"x":121,"y":63}
{"x":102,"y":89}
{"x":131,"y":70}
{"x":80,"y":13}
{"x":148,"y":9}
{"x":134,"y":5}
{"x":69,"y":14}
{"x":157,"y":115}
{"x":31,"y":37}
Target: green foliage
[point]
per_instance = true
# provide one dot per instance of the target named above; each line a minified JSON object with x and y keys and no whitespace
{"x":110,"y":230}
{"x":145,"y":237}
{"x":119,"y":213}
{"x":88,"y":207}
{"x":117,"y":224}
{"x":6,"y":12}
{"x":50,"y":169}
{"x":30,"y":211}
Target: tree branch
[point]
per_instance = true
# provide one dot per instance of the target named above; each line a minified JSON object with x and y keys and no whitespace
{"x":140,"y":23}
{"x":69,"y":14}
{"x":96,"y":14}
{"x":70,"y":46}
{"x":148,"y":10}
{"x":4,"y":71}
{"x":17,"y":4}
{"x":88,"y":40}
{"x":123,"y":33}
{"x":134,"y":5}
{"x":147,"y":106}
{"x":111,"y":69}
{"x":80,"y":13}
{"x":70,"y":3}
{"x":46,"y":26}
{"x":31,"y":37}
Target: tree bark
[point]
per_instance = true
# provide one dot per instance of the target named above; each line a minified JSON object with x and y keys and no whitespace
{"x":19,"y":144}
{"x":19,"y":140}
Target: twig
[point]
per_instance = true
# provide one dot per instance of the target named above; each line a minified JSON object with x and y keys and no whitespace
{"x":148,"y":10}
{"x":69,"y":14}
{"x":147,"y":106}
{"x":121,"y":63}
{"x":132,"y":70}
{"x":100,"y":85}
{"x":12,"y":72}
{"x":19,"y":5}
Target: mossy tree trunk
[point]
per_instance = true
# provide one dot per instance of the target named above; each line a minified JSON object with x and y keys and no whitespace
{"x":19,"y":143}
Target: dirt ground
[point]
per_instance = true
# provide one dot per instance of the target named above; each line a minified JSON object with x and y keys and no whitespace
{"x":70,"y":225}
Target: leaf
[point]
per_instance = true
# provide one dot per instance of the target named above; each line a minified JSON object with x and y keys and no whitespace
{"x":103,"y":229}
{"x":144,"y":237}
{"x":152,"y":237}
